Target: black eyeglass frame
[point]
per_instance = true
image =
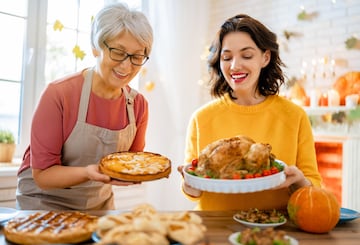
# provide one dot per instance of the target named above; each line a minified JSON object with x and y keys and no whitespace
{"x":145,"y":58}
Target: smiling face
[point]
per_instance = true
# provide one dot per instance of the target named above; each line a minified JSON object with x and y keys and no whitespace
{"x":112,"y":76}
{"x":241,"y":62}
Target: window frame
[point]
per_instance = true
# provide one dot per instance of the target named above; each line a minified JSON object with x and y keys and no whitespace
{"x":33,"y":80}
{"x":32,"y":70}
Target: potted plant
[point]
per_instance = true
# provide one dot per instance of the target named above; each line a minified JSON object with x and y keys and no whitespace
{"x":7,"y":145}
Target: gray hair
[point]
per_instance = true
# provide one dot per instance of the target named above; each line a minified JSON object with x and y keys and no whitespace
{"x":116,"y":18}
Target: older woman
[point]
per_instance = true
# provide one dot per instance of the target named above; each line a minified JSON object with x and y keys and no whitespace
{"x":84,"y":116}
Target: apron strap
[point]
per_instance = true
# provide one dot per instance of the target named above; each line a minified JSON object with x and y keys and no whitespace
{"x":85,"y":95}
{"x":130,"y":97}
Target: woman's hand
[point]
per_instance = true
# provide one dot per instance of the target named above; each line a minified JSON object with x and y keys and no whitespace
{"x":187,"y":188}
{"x":180,"y":170}
{"x":94,"y":173}
{"x":294,"y":179}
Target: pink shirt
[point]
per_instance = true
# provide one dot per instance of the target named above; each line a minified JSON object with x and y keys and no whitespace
{"x":56,"y":115}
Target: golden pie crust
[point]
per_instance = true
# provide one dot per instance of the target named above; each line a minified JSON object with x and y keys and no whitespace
{"x":135,"y":166}
{"x":144,"y":225}
{"x":50,"y":227}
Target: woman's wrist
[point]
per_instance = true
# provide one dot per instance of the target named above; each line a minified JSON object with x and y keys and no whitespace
{"x":191,"y":191}
{"x":299,"y":184}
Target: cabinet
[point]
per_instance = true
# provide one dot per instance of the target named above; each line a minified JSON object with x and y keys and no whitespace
{"x":8,"y":183}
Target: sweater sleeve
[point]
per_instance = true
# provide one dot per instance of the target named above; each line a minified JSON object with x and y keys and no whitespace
{"x":306,"y":157}
{"x":191,"y":144}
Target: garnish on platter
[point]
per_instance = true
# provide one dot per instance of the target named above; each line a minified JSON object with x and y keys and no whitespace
{"x":274,"y":168}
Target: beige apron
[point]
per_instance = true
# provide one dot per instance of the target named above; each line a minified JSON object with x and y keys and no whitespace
{"x":87,"y":144}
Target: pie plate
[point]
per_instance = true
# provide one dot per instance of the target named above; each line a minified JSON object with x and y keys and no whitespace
{"x":234,"y":185}
{"x":7,"y":213}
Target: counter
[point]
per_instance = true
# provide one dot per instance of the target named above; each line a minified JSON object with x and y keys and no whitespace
{"x":221,"y":224}
{"x":8,"y":182}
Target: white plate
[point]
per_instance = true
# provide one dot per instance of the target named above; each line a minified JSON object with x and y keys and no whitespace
{"x":7,"y":213}
{"x":260,"y":225}
{"x":233,"y":239}
{"x":234,"y":185}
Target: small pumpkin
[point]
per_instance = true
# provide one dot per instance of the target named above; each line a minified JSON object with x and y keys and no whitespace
{"x":314,"y":209}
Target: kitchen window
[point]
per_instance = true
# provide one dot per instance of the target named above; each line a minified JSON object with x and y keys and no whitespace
{"x":45,"y":40}
{"x":13,"y":16}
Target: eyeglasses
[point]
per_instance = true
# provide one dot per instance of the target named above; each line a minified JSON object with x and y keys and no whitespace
{"x":120,"y":55}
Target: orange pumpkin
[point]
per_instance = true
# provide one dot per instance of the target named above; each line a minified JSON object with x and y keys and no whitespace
{"x":314,"y":209}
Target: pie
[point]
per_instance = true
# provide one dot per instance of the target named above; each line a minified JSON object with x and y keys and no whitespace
{"x":51,"y":227}
{"x":135,"y":166}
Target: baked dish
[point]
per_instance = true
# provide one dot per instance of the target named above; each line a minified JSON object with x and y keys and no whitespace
{"x":51,"y":227}
{"x":144,"y":225}
{"x":261,"y":236}
{"x":236,"y":156}
{"x":135,"y":166}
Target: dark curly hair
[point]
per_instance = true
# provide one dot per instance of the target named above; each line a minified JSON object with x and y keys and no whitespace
{"x":271,"y":76}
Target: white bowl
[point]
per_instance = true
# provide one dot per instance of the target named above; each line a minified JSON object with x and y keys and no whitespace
{"x":233,"y":239}
{"x":259,"y":225}
{"x":234,"y":185}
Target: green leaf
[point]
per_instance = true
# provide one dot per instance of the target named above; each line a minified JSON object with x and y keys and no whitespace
{"x":7,"y":137}
{"x":302,"y":15}
{"x":354,"y":114}
{"x":351,"y":42}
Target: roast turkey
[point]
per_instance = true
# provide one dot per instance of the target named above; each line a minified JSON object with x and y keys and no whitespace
{"x":239,"y":154}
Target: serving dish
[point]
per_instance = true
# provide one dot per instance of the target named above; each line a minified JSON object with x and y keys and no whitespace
{"x":7,"y":213}
{"x":234,"y":185}
{"x":348,"y":215}
{"x":233,"y":239}
{"x":259,"y":225}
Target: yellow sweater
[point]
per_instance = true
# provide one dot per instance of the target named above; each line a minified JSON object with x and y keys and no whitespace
{"x":277,"y":121}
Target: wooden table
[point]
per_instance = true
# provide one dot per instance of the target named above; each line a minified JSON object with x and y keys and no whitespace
{"x":221,"y":224}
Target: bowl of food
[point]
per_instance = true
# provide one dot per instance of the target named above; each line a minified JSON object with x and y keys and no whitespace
{"x":252,"y":236}
{"x":245,"y":185}
{"x":260,"y":218}
{"x":235,"y":165}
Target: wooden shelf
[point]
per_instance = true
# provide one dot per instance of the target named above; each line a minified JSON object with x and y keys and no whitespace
{"x":321,"y":110}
